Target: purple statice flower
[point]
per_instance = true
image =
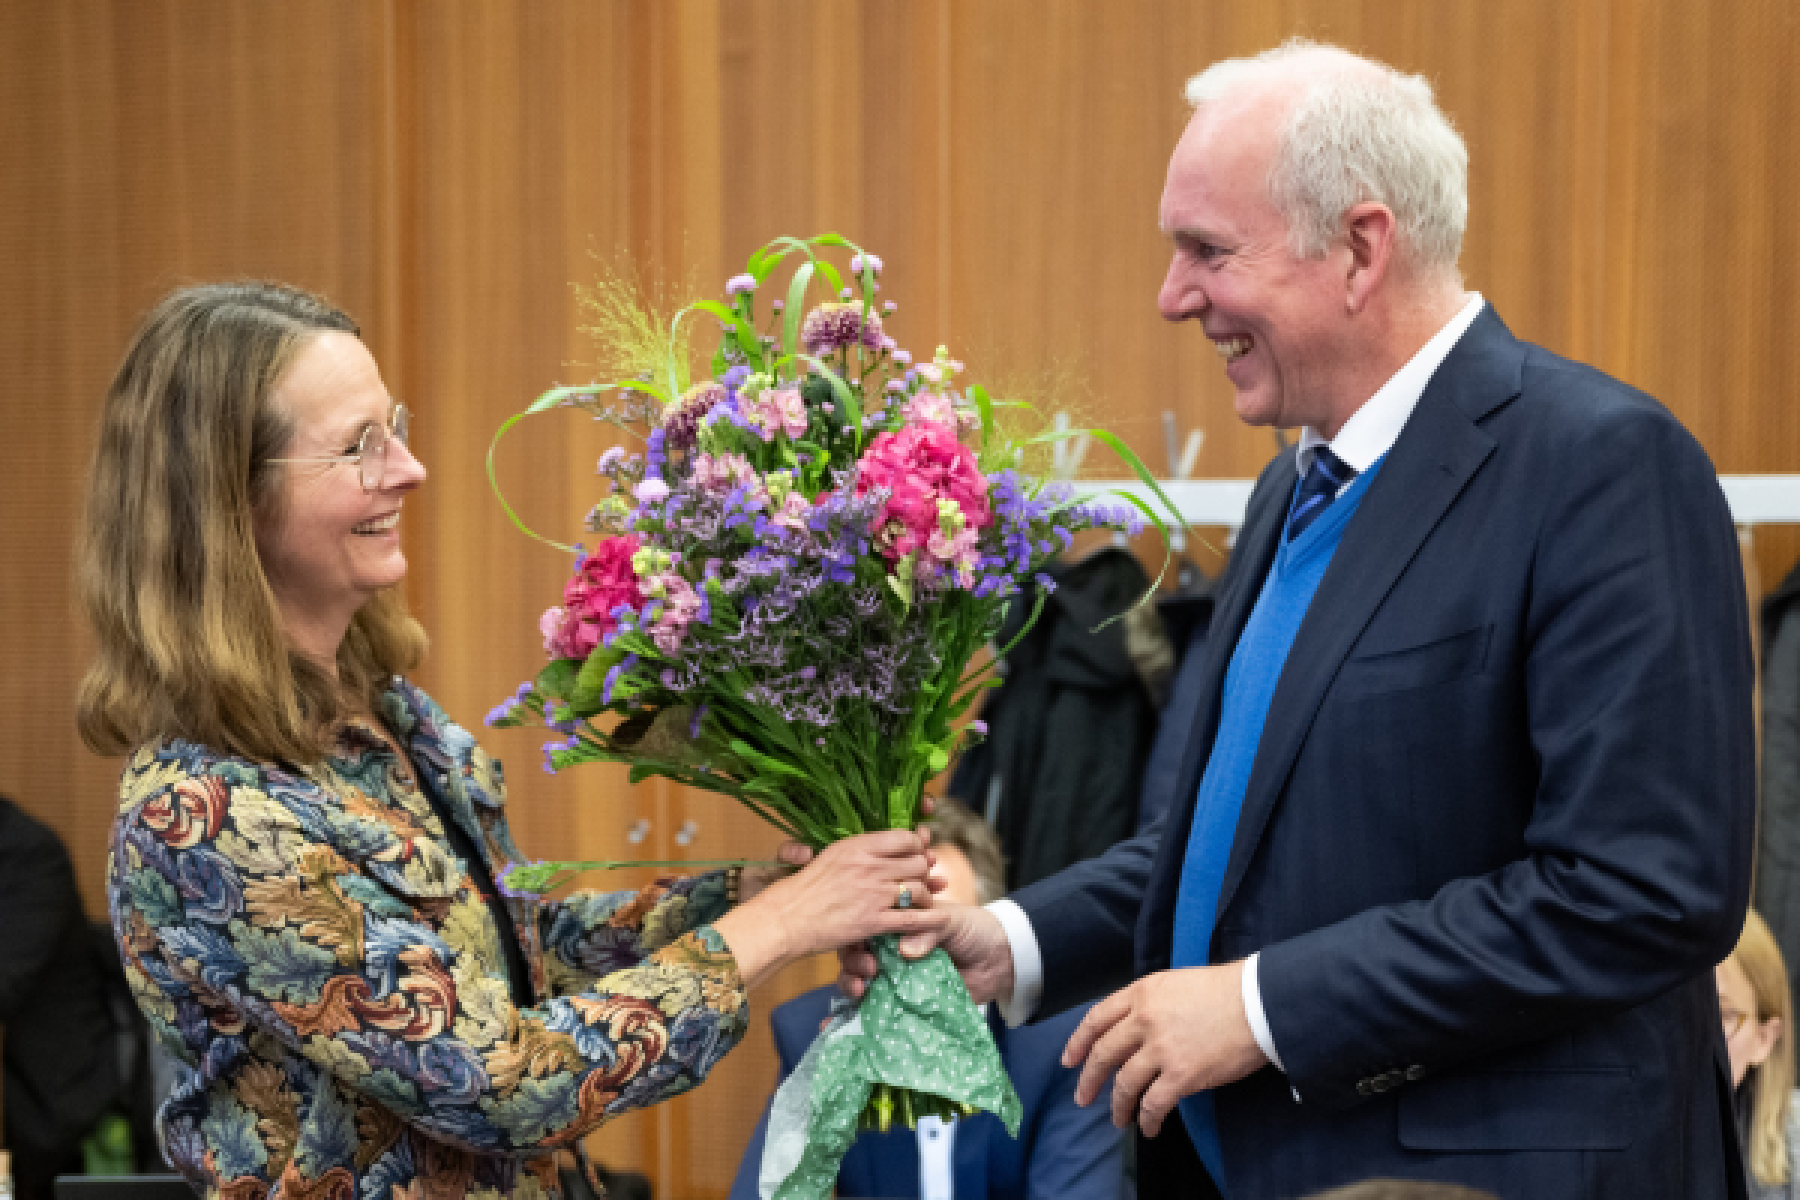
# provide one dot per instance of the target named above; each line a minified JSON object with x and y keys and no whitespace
{"x":694,"y":725}
{"x":655,"y":457}
{"x":740,"y":285}
{"x":734,"y":378}
{"x":978,"y":727}
{"x":838,"y":327}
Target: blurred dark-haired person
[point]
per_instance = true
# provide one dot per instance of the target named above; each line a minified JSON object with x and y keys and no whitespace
{"x":1757,"y":1011}
{"x":1063,"y":1151}
{"x":302,"y":878}
{"x":60,"y":1068}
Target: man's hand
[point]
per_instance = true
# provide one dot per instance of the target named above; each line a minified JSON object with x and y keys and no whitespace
{"x":976,"y":944}
{"x":1167,"y":1036}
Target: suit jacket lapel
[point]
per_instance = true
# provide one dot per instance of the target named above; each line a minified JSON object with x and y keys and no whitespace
{"x":1437,"y":453}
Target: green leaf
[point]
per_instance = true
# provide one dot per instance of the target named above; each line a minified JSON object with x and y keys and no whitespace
{"x":586,"y":697}
{"x":716,"y":309}
{"x":984,"y":405}
{"x":757,"y":758}
{"x":902,"y":590}
{"x":796,"y":301}
{"x":842,"y":393}
{"x":557,"y":679}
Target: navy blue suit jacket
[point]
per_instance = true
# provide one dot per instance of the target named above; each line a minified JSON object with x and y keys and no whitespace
{"x":1498,"y":829}
{"x":1061,"y":1150}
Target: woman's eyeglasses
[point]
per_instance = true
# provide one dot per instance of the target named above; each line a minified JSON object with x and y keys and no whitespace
{"x":371,"y":449}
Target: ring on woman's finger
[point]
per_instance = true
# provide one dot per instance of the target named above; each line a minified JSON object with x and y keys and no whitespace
{"x":905,"y":897}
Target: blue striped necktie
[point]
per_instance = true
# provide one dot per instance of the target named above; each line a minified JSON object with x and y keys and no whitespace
{"x":1324,"y":480}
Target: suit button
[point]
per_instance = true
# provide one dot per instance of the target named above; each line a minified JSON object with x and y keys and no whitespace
{"x":1365,"y":1087}
{"x":1381,"y":1083}
{"x":1415,"y":1072}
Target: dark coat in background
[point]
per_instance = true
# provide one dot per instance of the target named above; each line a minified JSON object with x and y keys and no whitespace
{"x":61,"y":1062}
{"x":1070,"y":728}
{"x":1778,"y":835}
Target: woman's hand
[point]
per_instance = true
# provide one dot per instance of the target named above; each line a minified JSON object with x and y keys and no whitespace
{"x":846,"y":894}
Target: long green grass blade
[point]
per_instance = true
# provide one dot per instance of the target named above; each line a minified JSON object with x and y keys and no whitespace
{"x":796,"y":301}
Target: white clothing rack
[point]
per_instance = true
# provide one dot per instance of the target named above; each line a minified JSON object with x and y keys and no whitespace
{"x":1754,"y":499}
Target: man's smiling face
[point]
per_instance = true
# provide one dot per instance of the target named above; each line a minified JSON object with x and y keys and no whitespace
{"x":1273,"y":316}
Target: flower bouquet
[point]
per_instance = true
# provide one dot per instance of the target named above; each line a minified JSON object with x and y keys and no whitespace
{"x":790,"y":585}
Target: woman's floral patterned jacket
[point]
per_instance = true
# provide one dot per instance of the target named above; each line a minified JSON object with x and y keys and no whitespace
{"x":309,"y":942}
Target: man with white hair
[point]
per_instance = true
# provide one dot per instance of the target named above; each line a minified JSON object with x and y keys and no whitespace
{"x":1467,"y":812}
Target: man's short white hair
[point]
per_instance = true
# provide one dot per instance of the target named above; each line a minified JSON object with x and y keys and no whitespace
{"x":1359,"y":131}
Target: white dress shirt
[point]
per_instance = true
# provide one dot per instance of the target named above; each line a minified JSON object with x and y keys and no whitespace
{"x":1369,"y":433}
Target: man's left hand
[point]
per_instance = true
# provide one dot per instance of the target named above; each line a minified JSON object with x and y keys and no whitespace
{"x":1167,"y":1036}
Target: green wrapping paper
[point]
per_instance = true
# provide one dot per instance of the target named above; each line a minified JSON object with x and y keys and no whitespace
{"x":917,"y":1029}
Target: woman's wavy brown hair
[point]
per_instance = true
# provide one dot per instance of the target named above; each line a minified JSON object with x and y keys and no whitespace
{"x":190,"y":638}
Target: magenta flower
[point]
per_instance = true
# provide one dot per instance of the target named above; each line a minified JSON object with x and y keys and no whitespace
{"x":838,"y":327}
{"x":739,"y":285}
{"x":918,"y":466}
{"x":602,"y":582}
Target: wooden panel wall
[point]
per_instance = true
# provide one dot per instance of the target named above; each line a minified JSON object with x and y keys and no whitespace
{"x":447,"y":171}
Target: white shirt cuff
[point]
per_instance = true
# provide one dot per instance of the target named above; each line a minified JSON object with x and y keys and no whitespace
{"x":1253,"y":1008}
{"x":1028,"y":964}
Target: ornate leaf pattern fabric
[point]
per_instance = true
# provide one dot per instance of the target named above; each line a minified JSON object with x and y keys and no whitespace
{"x":309,"y":943}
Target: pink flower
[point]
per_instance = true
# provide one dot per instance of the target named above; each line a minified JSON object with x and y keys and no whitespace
{"x":603,"y":581}
{"x":723,"y":473}
{"x":930,"y":406}
{"x":779,"y":410}
{"x":792,"y":512}
{"x":680,"y":605}
{"x":920,"y":465}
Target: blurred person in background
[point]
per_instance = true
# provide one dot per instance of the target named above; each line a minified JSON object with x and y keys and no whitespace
{"x":1756,"y":1009}
{"x":61,"y":1073}
{"x":304,"y":860}
{"x":1062,"y":1151}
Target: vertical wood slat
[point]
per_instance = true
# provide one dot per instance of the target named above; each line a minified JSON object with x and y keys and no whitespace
{"x":444,"y":172}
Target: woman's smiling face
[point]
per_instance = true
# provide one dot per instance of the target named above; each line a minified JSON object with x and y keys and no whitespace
{"x":330,"y":545}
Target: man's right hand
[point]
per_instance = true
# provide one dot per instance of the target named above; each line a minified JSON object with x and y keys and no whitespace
{"x":976,"y":943}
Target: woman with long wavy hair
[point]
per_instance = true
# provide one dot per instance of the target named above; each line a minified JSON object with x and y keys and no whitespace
{"x":303,"y":864}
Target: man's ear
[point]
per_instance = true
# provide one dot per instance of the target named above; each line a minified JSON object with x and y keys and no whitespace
{"x":1369,"y":234}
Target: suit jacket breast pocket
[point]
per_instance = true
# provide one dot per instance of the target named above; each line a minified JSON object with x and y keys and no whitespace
{"x":1440,"y":660}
